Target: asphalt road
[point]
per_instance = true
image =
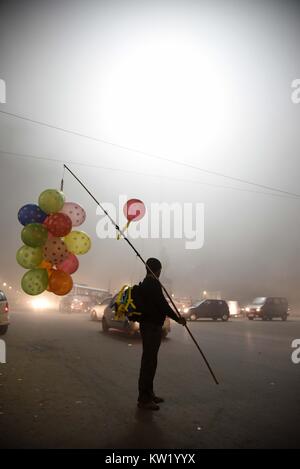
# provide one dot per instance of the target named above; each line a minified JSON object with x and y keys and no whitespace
{"x":68,"y":385}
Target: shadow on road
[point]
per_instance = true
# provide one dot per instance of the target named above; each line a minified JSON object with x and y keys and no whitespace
{"x":123,"y":337}
{"x":144,"y":432}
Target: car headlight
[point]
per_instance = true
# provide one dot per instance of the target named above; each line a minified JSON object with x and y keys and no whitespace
{"x":257,"y":310}
{"x":186,"y":310}
{"x":135,"y":326}
{"x":248,"y":310}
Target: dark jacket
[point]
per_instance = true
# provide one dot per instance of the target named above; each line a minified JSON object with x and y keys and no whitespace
{"x":155,"y":306}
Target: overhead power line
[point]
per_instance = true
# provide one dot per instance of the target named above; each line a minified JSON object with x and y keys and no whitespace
{"x":150,"y":155}
{"x":147,"y":175}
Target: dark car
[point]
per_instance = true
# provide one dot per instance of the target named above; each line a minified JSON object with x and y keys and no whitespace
{"x":267,"y":308}
{"x":213,"y":309}
{"x":129,"y":327}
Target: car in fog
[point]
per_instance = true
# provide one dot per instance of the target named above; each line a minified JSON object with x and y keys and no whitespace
{"x":82,"y":298}
{"x":97,"y":311}
{"x":211,"y":309}
{"x":129,"y":327}
{"x":76,"y":304}
{"x":267,"y":308}
{"x":4,"y":313}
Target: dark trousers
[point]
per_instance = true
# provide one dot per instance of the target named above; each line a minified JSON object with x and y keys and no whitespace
{"x":151,"y":337}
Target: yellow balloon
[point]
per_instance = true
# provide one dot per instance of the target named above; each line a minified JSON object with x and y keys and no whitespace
{"x":78,"y":242}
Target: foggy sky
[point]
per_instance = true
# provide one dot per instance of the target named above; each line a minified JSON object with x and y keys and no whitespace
{"x":208,"y":83}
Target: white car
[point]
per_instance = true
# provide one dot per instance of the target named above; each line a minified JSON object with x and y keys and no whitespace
{"x":97,"y":311}
{"x":4,"y":317}
{"x":129,"y":327}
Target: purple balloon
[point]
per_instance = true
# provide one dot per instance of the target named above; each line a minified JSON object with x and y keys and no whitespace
{"x":75,"y":212}
{"x":31,"y":213}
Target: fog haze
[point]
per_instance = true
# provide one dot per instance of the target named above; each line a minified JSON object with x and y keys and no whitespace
{"x":192,"y":82}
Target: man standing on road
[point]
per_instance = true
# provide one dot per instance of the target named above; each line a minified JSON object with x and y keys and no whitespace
{"x":155,"y":310}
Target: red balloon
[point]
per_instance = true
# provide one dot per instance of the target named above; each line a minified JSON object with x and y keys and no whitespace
{"x":58,"y":224}
{"x":134,"y":210}
{"x":69,"y":265}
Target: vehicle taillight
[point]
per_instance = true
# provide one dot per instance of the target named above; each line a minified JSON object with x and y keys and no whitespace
{"x":6,"y":308}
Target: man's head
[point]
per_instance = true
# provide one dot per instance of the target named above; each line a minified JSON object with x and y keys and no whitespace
{"x":153,"y":265}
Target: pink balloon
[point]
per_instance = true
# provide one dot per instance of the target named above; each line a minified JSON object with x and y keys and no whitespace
{"x":75,"y":212}
{"x":69,"y":265}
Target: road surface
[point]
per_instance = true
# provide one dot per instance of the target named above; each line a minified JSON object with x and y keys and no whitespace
{"x":68,"y":385}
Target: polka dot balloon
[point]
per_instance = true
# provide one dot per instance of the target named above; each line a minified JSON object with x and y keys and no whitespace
{"x":34,"y":235}
{"x":51,"y":201}
{"x":55,"y":250}
{"x":78,"y":242}
{"x":35,"y":281}
{"x":75,"y":212}
{"x":31,"y":213}
{"x":29,"y":257}
{"x":58,"y":224}
{"x":60,"y":283}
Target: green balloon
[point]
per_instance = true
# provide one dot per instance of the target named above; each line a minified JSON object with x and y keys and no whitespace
{"x":35,"y":281}
{"x":51,"y":200}
{"x":29,"y":257}
{"x":34,"y":235}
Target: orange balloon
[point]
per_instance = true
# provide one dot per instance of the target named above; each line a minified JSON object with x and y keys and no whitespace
{"x":60,"y":282}
{"x":50,"y":272}
{"x":45,"y":265}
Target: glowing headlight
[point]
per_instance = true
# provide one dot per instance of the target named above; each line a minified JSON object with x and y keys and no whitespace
{"x":257,"y":310}
{"x":186,"y":310}
{"x":247,"y":309}
{"x":41,"y":303}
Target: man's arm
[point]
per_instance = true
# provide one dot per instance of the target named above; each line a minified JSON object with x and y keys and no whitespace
{"x":161,"y":302}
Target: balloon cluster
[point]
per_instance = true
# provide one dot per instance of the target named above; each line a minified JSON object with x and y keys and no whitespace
{"x":50,"y":246}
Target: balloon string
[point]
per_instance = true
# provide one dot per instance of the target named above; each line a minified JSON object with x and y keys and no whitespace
{"x":124,"y":229}
{"x":62,"y":179}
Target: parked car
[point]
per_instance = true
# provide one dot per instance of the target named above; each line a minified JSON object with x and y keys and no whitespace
{"x":4,"y":313}
{"x":213,"y":309}
{"x":97,"y":311}
{"x":267,"y":308}
{"x":129,"y":327}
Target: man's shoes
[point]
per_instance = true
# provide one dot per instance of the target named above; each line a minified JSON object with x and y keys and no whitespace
{"x":151,"y":405}
{"x":158,"y":400}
